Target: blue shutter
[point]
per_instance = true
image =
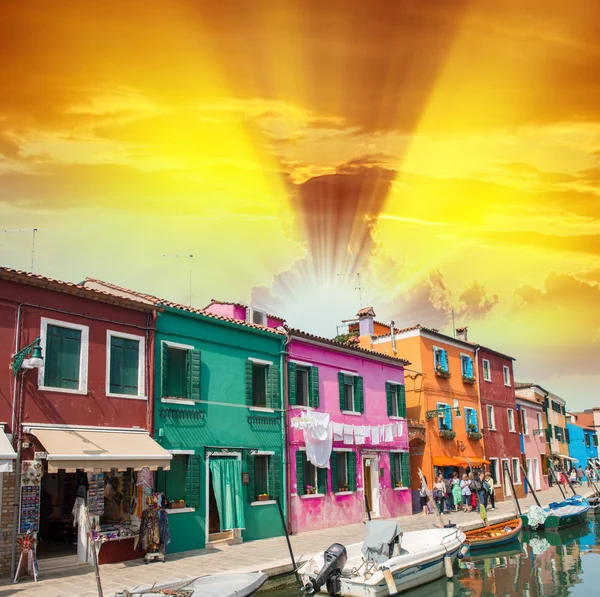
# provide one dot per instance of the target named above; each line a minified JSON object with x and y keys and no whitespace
{"x":444,"y":360}
{"x":470,"y":372}
{"x":441,"y":418}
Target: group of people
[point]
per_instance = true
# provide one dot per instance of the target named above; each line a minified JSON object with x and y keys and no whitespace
{"x":454,"y":494}
{"x":577,"y":476}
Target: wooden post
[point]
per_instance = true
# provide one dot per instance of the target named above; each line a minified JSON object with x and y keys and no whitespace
{"x":514,"y":494}
{"x":287,"y":538}
{"x":530,"y":486}
{"x":92,"y":544}
{"x":551,"y":469}
{"x":435,"y":509}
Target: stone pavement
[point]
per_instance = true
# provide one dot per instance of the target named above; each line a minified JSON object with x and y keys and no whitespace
{"x":269,"y":555}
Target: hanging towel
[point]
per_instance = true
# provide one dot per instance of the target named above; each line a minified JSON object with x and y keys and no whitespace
{"x":375,"y":436}
{"x":387,"y":430}
{"x":400,"y":429}
{"x":348,"y":434}
{"x":360,"y":435}
{"x":319,"y":440}
{"x":338,"y":432}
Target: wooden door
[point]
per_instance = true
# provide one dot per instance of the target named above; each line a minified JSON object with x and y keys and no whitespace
{"x":367,"y":464}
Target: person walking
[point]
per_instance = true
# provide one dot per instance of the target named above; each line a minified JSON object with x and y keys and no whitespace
{"x":489,"y":481}
{"x":456,"y":492}
{"x":465,"y":489}
{"x":480,"y":488}
{"x":473,"y":492}
{"x":449,"y":501}
{"x":580,"y":476}
{"x":423,"y":498}
{"x":573,"y":477}
{"x":439,"y":493}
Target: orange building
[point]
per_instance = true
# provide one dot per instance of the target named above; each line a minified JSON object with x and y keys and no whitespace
{"x":441,"y":391}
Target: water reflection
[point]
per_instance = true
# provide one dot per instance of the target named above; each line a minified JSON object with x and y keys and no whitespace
{"x":547,"y":564}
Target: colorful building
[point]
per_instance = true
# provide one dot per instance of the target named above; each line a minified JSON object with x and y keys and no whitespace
{"x":80,"y":402}
{"x":583,"y":442}
{"x":532,"y":432}
{"x":500,"y":417}
{"x":442,"y":392}
{"x":364,"y":392}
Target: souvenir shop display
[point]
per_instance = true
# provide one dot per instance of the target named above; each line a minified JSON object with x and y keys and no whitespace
{"x":95,"y":494}
{"x":154,"y":534}
{"x":29,"y":511}
{"x":28,"y":556}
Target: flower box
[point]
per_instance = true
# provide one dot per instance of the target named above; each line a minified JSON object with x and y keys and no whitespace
{"x":263,"y":497}
{"x":474,"y":435}
{"x":447,"y":433}
{"x":311,"y":490}
{"x":470,"y":380}
{"x":176,"y":505}
{"x":442,"y":372}
{"x":343,"y":488}
{"x":399,"y":484}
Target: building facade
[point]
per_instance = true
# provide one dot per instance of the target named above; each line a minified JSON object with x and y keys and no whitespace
{"x":583,"y":442}
{"x":532,"y":432}
{"x":363,"y":393}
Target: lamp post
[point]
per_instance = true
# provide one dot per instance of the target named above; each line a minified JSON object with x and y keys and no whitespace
{"x":432,"y":414}
{"x":29,"y":357}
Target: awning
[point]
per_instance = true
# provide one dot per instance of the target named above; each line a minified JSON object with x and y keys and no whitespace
{"x":471,"y":461}
{"x":7,"y":454}
{"x":565,"y":457}
{"x":445,"y":461}
{"x":101,"y":450}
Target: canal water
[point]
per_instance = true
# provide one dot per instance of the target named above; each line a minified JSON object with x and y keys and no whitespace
{"x":549,"y":564}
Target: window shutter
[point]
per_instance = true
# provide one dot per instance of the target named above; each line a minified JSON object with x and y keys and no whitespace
{"x":314,"y":387}
{"x":441,"y":417}
{"x":165,"y":368}
{"x":449,"y":417}
{"x":116,"y":366}
{"x":273,"y":389}
{"x":161,"y":481}
{"x":401,"y":401}
{"x":393,"y":479}
{"x":322,"y":480}
{"x":292,"y":383}
{"x":444,"y":360}
{"x":470,"y":372}
{"x":351,"y":459}
{"x":334,"y":474}
{"x":274,"y":477}
{"x":388,"y":395}
{"x":359,"y":401}
{"x":405,"y":464}
{"x":251,"y":477}
{"x":300,"y":459}
{"x":249,"y":396}
{"x":193,"y":377}
{"x":192,"y":489}
{"x":341,"y":390}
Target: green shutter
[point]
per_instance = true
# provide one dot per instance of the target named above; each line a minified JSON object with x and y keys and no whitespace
{"x":274,"y":477}
{"x":300,"y":459}
{"x":334,"y":475}
{"x":388,"y":396}
{"x":359,"y":401}
{"x":405,"y":467}
{"x":124,"y":366}
{"x":192,"y":485}
{"x":292,"y":383}
{"x":193,"y":375}
{"x":322,"y":480}
{"x":249,"y":397}
{"x":402,"y":401}
{"x":161,"y":481}
{"x":62,"y":358}
{"x":393,"y":477}
{"x":251,"y":476}
{"x":273,"y":387}
{"x":313,"y":399}
{"x":341,"y":377}
{"x":351,"y":459}
{"x":165,"y":369}
{"x":176,"y":479}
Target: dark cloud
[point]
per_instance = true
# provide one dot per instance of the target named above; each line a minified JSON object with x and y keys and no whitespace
{"x":475,"y":302}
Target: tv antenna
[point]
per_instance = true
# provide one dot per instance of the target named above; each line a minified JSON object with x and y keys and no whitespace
{"x":190,"y":257}
{"x":357,"y":287}
{"x":34,"y":230}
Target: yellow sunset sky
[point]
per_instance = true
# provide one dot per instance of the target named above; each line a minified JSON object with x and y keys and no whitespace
{"x":448,"y":151}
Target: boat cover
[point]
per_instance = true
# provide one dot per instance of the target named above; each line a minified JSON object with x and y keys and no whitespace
{"x":568,"y":507}
{"x":378,"y":545}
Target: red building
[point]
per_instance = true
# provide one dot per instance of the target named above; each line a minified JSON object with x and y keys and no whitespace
{"x":500,"y":418}
{"x":84,"y":408}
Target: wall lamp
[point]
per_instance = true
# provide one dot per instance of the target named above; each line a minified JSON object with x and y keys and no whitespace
{"x":29,"y":357}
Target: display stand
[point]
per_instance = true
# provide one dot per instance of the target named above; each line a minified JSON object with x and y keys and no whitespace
{"x":152,"y":533}
{"x":27,"y":557}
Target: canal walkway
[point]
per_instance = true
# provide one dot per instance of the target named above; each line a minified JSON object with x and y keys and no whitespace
{"x":269,"y":555}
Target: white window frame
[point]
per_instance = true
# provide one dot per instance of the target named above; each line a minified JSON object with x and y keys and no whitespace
{"x":176,"y":346}
{"x":513,"y":428}
{"x":487,"y":375}
{"x":83,"y":355}
{"x":516,"y":471}
{"x":539,"y":420}
{"x":525,"y":423}
{"x":141,"y":395}
{"x":497,"y":460}
{"x":506,"y":372}
{"x":443,"y":350}
{"x":492,"y":419}
{"x":442,"y":416}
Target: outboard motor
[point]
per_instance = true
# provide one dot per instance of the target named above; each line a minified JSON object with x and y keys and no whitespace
{"x":331,"y":573}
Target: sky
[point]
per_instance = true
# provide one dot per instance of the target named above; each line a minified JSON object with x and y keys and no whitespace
{"x":425,"y":158}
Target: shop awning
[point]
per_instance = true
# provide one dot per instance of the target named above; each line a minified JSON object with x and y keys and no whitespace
{"x":445,"y":461}
{"x":565,"y":457}
{"x":91,"y":450}
{"x":471,"y":461}
{"x":7,"y":454}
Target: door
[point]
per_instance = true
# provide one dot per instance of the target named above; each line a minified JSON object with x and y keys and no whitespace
{"x":536,"y":475}
{"x":506,"y":479}
{"x":368,"y":482}
{"x":214,"y":522}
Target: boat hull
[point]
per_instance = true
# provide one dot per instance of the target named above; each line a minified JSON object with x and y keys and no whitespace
{"x":476,"y":539}
{"x":594,"y":507}
{"x":557,"y":523}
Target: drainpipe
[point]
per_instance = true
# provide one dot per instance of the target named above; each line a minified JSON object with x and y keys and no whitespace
{"x":284,"y":420}
{"x":17,"y":338}
{"x":150,"y":339}
{"x":479,"y":396}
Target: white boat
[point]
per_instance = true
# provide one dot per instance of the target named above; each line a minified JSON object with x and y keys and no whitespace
{"x":388,"y":561}
{"x":212,"y":585}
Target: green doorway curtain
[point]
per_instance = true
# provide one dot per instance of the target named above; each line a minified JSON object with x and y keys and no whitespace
{"x":227,"y":485}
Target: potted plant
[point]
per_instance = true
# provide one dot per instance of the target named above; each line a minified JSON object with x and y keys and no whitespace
{"x":472,"y":427}
{"x":176,"y":505}
{"x":310,"y":490}
{"x":474,"y":435}
{"x":468,"y":379}
{"x":398,"y":483}
{"x":263,"y":497}
{"x":343,"y":487}
{"x":447,"y":433}
{"x":441,"y":371}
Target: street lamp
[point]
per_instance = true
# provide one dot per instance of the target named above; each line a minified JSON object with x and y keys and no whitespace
{"x":432,"y":414}
{"x":29,"y":357}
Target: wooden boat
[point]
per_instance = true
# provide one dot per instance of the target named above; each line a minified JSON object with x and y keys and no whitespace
{"x":594,"y":506}
{"x":494,"y":535}
{"x":569,"y":512}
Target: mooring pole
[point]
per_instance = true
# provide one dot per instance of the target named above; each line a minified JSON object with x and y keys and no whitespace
{"x":551,"y":469}
{"x":514,"y":493}
{"x":287,"y":538}
{"x":530,"y":487}
{"x":367,"y":507}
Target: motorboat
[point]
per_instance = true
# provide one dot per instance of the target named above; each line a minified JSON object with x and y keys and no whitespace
{"x":388,"y":561}
{"x":211,"y":585}
{"x":494,"y":535}
{"x":594,"y":503}
{"x":558,"y":515}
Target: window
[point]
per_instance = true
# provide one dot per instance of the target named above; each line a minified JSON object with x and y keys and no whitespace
{"x":396,"y":399}
{"x":303,"y":385}
{"x":65,"y":352}
{"x":351,"y":392}
{"x":261,"y":475}
{"x":262,"y":384}
{"x":440,"y":361}
{"x":516,"y":466}
{"x":511,"y":419}
{"x":506,"y":375}
{"x":400,"y":469}
{"x":525,"y":422}
{"x":180,"y":372}
{"x":343,"y":471}
{"x":466,"y":366}
{"x":182,"y":481}
{"x":487,"y":373}
{"x":471,"y":422}
{"x":264,"y":475}
{"x":494,"y":470}
{"x":125,"y":364}
{"x":595,"y":439}
{"x":539,"y":420}
{"x":491,"y":417}
{"x":310,"y":480}
{"x":445,"y":416}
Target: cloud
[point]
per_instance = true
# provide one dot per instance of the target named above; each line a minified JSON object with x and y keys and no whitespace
{"x":476,"y":303}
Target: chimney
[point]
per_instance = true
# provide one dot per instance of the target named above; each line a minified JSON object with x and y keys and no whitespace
{"x":461,"y":334}
{"x":366,"y":321}
{"x":393,"y":335}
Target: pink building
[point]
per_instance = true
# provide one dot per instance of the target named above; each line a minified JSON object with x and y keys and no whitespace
{"x":358,"y":388}
{"x":533,"y":438}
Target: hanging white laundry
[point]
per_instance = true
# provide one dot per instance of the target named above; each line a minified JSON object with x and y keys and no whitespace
{"x":338,"y":432}
{"x":348,"y":434}
{"x":375,"y":436}
{"x":360,"y":435}
{"x":319,"y":440}
{"x":400,"y":429}
{"x":388,"y":437}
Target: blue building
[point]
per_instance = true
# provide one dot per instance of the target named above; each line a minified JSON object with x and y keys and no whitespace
{"x":583,"y":444}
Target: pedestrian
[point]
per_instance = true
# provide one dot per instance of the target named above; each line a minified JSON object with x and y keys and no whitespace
{"x":480,"y":488}
{"x":423,"y":496}
{"x":473,"y":492}
{"x":573,"y":477}
{"x":456,"y":492}
{"x":465,"y":489}
{"x":448,"y":502}
{"x":489,"y":481}
{"x":439,"y":493}
{"x":580,"y":476}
